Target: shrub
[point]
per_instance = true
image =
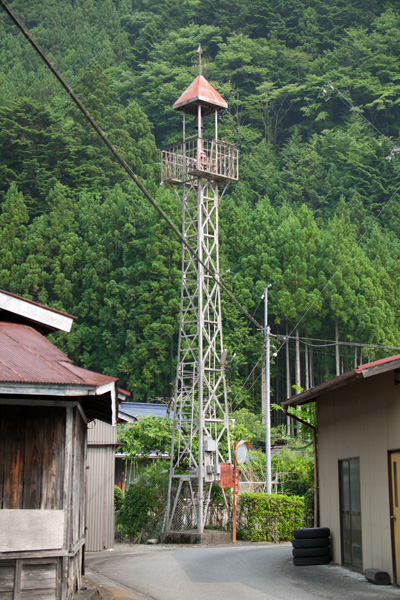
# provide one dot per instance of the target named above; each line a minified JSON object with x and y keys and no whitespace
{"x":293,"y":470}
{"x":269,"y":517}
{"x":118,"y":498}
{"x":144,"y":499}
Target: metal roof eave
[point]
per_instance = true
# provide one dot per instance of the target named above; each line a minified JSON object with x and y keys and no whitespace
{"x":126,"y":418}
{"x":311,"y":394}
{"x":108,"y":390}
{"x":50,"y":389}
{"x":361,"y":372}
{"x":52,"y":319}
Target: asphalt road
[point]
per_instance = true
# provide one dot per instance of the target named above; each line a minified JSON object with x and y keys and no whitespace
{"x":234,"y":572}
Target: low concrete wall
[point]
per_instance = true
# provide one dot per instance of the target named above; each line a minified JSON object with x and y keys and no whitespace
{"x":209,"y":536}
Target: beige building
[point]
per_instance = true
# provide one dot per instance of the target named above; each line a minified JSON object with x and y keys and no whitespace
{"x":358,"y":415}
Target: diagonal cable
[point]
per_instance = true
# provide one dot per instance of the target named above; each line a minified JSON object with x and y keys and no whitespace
{"x":120,"y":159}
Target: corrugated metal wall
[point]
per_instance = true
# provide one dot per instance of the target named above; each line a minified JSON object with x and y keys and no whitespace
{"x":100,"y":486}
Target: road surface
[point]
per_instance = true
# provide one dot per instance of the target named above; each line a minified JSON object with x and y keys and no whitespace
{"x":232,"y":572}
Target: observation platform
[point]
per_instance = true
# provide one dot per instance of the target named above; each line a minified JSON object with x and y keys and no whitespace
{"x":198,"y":157}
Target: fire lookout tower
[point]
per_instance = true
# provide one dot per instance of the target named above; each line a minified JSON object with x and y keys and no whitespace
{"x":196,"y":167}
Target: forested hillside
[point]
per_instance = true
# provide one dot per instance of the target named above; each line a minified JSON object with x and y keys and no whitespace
{"x":313,"y":89}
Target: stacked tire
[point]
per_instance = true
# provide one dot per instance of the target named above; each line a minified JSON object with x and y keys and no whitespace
{"x":311,"y":546}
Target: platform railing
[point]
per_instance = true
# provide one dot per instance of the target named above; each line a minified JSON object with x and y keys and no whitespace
{"x":212,"y":159}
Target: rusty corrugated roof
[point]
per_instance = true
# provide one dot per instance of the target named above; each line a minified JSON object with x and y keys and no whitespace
{"x":28,"y":357}
{"x":200,"y":91}
{"x":380,"y":364}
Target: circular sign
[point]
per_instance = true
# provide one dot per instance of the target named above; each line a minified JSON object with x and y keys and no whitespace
{"x":242,"y":450}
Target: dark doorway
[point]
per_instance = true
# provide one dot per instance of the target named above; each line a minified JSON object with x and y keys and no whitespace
{"x":350,"y":513}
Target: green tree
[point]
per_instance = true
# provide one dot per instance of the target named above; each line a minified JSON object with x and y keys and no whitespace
{"x":126,"y":127}
{"x":144,"y":500}
{"x":49,"y":269}
{"x":154,"y":301}
{"x":148,"y":435}
{"x":247,"y":426}
{"x":13,"y":228}
{"x":296,"y":287}
{"x":34,"y":152}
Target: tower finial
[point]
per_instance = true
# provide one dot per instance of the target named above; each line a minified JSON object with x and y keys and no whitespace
{"x":200,"y":52}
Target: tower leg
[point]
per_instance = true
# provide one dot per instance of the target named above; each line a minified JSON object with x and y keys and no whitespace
{"x":201,"y":421}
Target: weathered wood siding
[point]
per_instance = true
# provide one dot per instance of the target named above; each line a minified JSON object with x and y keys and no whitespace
{"x":31,"y":457}
{"x":42,"y":499}
{"x":25,"y":579}
{"x":31,"y":530}
{"x":77,"y":497}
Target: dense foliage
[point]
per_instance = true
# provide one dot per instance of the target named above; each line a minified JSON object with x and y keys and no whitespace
{"x":144,"y":501}
{"x":118,"y":498}
{"x":313,"y":93}
{"x":149,"y":435}
{"x":269,"y":517}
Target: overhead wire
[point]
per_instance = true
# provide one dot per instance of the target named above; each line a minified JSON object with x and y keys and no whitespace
{"x":375,"y":217}
{"x":352,"y":107}
{"x":235,"y":402}
{"x":394,"y":151}
{"x":236,"y":349}
{"x":152,"y":201}
{"x":121,"y":160}
{"x":328,"y":343}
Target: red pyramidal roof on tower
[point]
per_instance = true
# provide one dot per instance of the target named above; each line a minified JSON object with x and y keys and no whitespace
{"x":199,"y":92}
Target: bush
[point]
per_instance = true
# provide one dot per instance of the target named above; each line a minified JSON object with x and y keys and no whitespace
{"x":269,"y":517}
{"x":293,"y":471}
{"x":118,"y":498}
{"x":145,"y":498}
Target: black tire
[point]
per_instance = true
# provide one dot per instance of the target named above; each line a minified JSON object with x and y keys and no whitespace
{"x":304,"y":552}
{"x":311,"y":543}
{"x":312,"y":560}
{"x":311,"y":532}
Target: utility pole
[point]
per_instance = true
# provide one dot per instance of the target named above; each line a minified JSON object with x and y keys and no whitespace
{"x":267,"y":337}
{"x":195,"y":168}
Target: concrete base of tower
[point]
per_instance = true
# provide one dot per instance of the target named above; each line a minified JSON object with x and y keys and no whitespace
{"x":210,"y":536}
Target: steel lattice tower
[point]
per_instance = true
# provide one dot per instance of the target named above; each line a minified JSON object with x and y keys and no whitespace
{"x":195,"y":168}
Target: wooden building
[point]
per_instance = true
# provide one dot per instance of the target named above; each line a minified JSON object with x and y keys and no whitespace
{"x":45,"y":403}
{"x":358,"y":417}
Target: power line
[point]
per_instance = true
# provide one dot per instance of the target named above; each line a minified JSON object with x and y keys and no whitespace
{"x":348,"y":256}
{"x":243,"y":334}
{"x":352,"y":107}
{"x":328,"y":343}
{"x":121,"y":160}
{"x":340,"y":266}
{"x":235,"y":400}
